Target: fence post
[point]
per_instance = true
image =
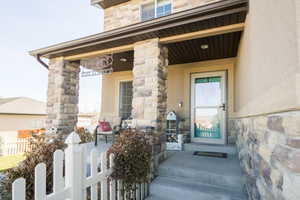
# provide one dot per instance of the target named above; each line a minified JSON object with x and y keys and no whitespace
{"x":18,"y":189}
{"x":74,"y":163}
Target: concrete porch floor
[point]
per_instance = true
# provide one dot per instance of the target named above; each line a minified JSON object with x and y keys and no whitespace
{"x":185,"y":176}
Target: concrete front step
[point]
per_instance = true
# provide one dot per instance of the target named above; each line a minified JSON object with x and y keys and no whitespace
{"x":166,"y":188}
{"x":229,"y":149}
{"x":220,"y":172}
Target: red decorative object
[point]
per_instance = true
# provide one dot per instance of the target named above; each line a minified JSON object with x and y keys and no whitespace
{"x":104,"y":126}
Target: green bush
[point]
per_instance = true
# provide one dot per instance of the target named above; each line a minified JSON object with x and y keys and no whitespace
{"x":132,"y":160}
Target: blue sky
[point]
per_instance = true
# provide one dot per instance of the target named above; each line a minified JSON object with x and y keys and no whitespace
{"x":32,"y":24}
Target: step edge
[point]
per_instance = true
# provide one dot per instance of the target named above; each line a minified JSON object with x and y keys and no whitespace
{"x":232,"y":186}
{"x":220,"y":191}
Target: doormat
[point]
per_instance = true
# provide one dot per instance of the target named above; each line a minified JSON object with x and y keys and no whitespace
{"x":210,"y":154}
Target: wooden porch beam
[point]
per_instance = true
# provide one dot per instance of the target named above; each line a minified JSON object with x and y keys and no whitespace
{"x":118,"y":49}
{"x":203,"y":33}
{"x":166,"y":40}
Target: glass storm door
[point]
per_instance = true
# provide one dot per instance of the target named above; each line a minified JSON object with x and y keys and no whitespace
{"x":208,"y":107}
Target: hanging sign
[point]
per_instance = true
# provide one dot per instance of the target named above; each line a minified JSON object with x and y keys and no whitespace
{"x":97,"y":65}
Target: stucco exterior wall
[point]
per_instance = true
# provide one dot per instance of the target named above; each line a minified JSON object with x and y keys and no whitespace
{"x":21,"y":122}
{"x":266,"y":122}
{"x":110,"y":93}
{"x":178,"y":87}
{"x":267,"y":60}
{"x":129,"y":13}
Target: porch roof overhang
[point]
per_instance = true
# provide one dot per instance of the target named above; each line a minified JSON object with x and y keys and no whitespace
{"x":107,"y":3}
{"x":220,"y":18}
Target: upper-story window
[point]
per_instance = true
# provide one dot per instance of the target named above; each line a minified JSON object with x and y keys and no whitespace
{"x":163,"y":8}
{"x":148,"y":11}
{"x":157,"y":8}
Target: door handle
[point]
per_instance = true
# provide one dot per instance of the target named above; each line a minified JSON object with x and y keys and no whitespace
{"x":223,"y":107}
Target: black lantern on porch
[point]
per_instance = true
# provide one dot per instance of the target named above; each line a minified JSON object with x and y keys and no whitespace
{"x":172,"y":129}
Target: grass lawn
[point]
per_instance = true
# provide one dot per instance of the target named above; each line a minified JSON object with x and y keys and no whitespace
{"x":7,"y":162}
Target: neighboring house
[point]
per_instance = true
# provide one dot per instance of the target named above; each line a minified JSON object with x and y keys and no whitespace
{"x":21,"y":113}
{"x":230,"y":68}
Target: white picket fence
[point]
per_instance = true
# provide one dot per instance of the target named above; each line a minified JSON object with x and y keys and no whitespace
{"x":20,"y":146}
{"x":73,"y":183}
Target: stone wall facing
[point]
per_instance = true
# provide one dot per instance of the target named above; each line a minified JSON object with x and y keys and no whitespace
{"x":63,"y":92}
{"x":269,"y":152}
{"x":129,"y":13}
{"x":149,"y":104}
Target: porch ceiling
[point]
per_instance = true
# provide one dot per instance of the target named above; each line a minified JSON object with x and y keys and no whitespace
{"x":214,"y":15}
{"x":220,"y":46}
{"x":118,"y":65}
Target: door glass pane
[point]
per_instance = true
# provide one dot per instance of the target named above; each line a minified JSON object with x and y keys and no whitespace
{"x":207,"y":123}
{"x":208,"y":91}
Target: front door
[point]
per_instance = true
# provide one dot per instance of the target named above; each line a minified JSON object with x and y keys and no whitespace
{"x":208,"y":107}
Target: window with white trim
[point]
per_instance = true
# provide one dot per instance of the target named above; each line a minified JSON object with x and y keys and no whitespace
{"x":125,"y":99}
{"x":157,"y":8}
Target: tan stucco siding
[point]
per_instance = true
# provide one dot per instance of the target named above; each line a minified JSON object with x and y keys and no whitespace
{"x":129,"y":12}
{"x":21,"y":122}
{"x":267,"y":59}
{"x":178,"y":86}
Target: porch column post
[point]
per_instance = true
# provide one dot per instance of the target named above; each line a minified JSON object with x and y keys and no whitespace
{"x":62,"y":100}
{"x":149,"y":102}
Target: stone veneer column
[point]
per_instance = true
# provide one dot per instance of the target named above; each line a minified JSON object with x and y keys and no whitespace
{"x":63,"y":91}
{"x":149,"y":104}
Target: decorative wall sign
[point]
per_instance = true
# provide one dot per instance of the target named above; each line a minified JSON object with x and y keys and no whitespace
{"x":97,"y":65}
{"x":88,"y":72}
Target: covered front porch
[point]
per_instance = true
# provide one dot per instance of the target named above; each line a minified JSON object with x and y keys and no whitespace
{"x":184,"y":62}
{"x":152,"y":68}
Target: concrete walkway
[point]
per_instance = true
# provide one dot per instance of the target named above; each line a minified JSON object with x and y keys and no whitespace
{"x":184,"y":176}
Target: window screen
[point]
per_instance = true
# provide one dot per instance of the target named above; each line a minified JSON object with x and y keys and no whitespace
{"x":148,"y":11}
{"x":125,"y":100}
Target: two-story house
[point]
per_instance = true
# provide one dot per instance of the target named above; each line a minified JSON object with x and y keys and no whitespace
{"x":229,"y":68}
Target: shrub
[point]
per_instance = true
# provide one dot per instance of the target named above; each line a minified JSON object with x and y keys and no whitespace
{"x":42,"y":151}
{"x":132,"y":160}
{"x":3,"y":194}
{"x":85,"y":135}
